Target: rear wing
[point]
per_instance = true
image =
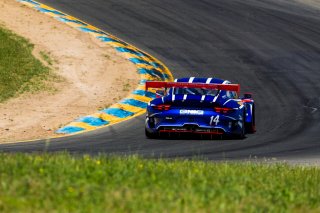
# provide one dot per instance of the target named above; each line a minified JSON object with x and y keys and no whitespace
{"x":163,"y":84}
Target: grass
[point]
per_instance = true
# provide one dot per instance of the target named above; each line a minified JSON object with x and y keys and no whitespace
{"x":64,"y":183}
{"x":20,"y":71}
{"x":45,"y":56}
{"x":126,"y":87}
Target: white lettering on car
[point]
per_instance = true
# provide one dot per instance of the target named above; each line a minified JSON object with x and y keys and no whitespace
{"x":215,"y":120}
{"x":191,"y":112}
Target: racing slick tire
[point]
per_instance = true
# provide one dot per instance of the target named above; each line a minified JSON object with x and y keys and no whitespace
{"x":242,"y":134}
{"x":150,"y":135}
{"x":251,"y":126}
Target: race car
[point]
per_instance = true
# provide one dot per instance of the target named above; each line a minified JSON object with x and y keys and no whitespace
{"x":205,"y":106}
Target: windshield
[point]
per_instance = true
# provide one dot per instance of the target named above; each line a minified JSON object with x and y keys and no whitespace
{"x":194,"y":91}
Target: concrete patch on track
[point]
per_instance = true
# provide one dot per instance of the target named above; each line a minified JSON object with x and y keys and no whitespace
{"x":148,"y":67}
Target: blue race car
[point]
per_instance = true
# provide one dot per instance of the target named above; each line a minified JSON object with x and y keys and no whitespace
{"x":205,"y":106}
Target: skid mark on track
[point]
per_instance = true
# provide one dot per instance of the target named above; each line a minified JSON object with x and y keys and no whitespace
{"x":313,"y":109}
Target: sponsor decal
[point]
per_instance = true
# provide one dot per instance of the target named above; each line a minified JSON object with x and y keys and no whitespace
{"x":191,"y":112}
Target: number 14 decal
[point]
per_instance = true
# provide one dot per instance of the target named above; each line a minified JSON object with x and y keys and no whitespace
{"x":214,"y":119}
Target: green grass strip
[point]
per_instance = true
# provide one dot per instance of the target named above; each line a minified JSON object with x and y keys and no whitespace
{"x":64,"y":183}
{"x":20,"y":71}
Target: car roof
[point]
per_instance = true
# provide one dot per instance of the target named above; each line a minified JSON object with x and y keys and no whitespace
{"x":201,"y":80}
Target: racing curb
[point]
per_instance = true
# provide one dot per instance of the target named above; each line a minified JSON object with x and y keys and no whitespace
{"x":148,"y":67}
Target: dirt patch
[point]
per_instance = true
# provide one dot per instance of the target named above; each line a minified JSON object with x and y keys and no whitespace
{"x":93,"y":75}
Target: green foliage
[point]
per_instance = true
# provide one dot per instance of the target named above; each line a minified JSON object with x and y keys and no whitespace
{"x":64,"y":183}
{"x":20,"y":71}
{"x":126,"y":87}
{"x":45,"y":56}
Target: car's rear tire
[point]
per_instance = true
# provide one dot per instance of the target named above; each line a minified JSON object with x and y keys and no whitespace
{"x":251,"y":126}
{"x":243,"y":130}
{"x":150,"y":135}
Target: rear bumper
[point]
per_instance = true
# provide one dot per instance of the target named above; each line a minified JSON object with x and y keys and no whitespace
{"x":211,"y":123}
{"x":211,"y":131}
{"x":193,"y":128}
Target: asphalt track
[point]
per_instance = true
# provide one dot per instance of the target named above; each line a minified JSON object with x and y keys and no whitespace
{"x":272,"y":48}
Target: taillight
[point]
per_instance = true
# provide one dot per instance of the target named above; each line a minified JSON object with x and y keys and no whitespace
{"x":222,"y":109}
{"x":162,"y":107}
{"x":246,"y":100}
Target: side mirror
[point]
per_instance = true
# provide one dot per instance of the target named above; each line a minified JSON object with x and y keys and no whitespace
{"x":159,"y":93}
{"x":247,"y":96}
